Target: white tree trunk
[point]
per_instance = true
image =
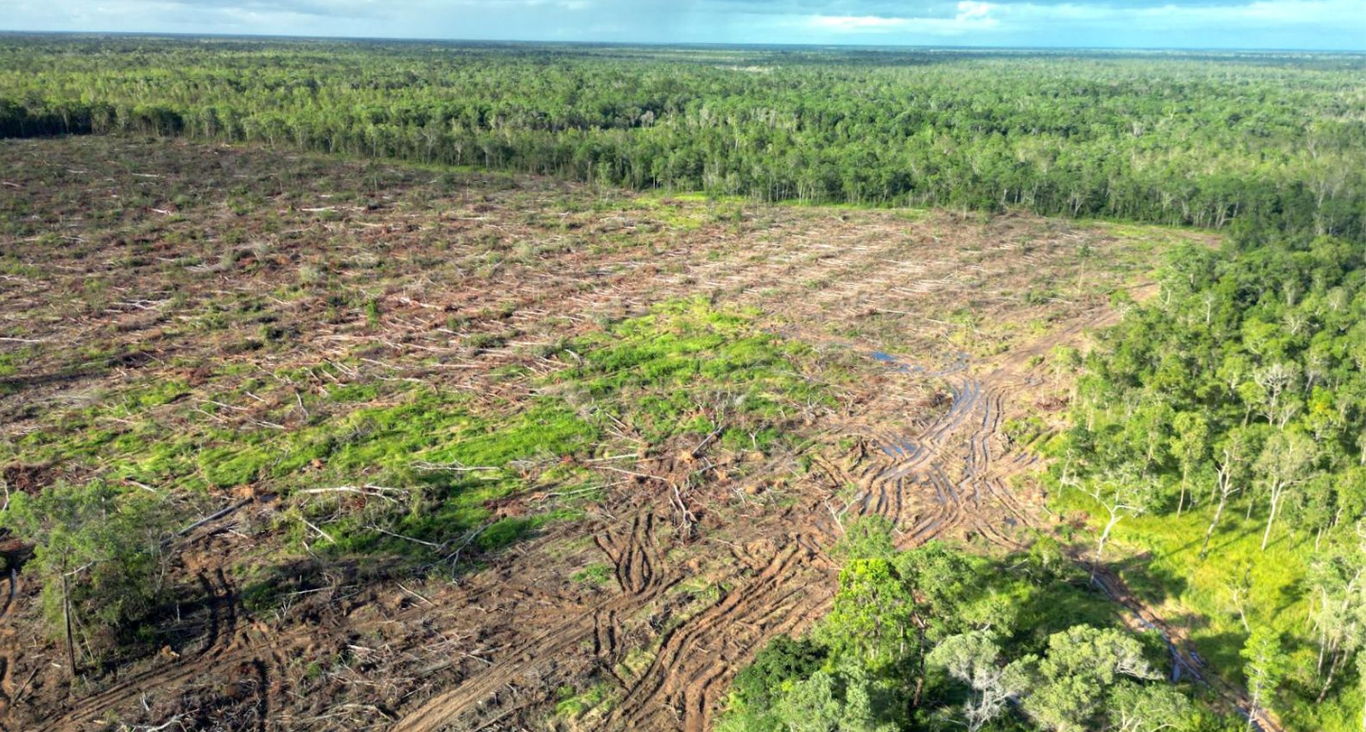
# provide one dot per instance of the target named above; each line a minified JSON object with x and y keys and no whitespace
{"x":1275,"y":501}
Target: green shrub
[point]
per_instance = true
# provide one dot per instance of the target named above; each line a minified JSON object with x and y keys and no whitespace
{"x":97,"y":555}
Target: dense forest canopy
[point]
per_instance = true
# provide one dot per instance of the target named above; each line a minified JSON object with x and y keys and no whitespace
{"x":939,"y":639}
{"x":1194,"y":139}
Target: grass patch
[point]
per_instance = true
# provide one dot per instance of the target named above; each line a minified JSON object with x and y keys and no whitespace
{"x":597,"y":574}
{"x":448,"y":459}
{"x":689,"y":367}
{"x":573,"y":705}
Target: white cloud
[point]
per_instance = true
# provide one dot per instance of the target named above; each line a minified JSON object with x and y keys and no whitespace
{"x":972,"y":16}
{"x":858,"y":23}
{"x":968,"y":10}
{"x":1261,"y":15}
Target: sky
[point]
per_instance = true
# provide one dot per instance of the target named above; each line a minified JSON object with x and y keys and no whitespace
{"x":1221,"y":24}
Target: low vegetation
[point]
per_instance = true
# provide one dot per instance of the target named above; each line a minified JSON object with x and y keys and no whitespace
{"x":98,"y":555}
{"x":416,"y":477}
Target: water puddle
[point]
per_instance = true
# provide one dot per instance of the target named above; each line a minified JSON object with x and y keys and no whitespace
{"x":957,"y":363}
{"x":906,"y":448}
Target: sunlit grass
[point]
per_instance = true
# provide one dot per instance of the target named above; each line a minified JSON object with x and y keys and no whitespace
{"x":1158,"y":556}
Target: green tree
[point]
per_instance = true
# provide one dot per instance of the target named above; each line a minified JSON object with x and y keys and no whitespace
{"x":1286,"y":461}
{"x":1120,"y":492}
{"x":1070,"y":688}
{"x":975,"y":659}
{"x":1361,"y":681}
{"x":1337,"y":582}
{"x":1233,"y":455}
{"x":1190,"y":444}
{"x":869,"y":537}
{"x":1265,"y":665}
{"x":872,"y":615}
{"x":1146,"y":708}
{"x":844,"y":700}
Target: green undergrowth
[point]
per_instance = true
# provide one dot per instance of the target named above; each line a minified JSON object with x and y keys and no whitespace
{"x":1158,"y":556}
{"x":691,"y":211}
{"x":383,"y":466}
{"x":452,"y":464}
{"x":574,"y":706}
{"x":689,"y":367}
{"x":597,"y":574}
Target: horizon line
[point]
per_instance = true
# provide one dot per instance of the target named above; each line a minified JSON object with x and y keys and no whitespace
{"x":680,"y":44}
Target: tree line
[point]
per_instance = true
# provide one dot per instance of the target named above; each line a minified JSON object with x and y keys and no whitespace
{"x":1169,"y":139}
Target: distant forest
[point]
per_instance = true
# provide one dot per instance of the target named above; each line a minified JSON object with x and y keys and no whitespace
{"x":1186,"y":139}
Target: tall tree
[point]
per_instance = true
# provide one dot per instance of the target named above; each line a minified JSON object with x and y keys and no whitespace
{"x":1286,"y":461}
{"x":1120,"y":493}
{"x":975,"y":659}
{"x":1071,"y":687}
{"x":1233,"y":455}
{"x":1265,"y":666}
{"x":1190,"y":444}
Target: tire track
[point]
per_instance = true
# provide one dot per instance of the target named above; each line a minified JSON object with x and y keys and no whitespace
{"x":949,"y":472}
{"x":688,"y":673}
{"x":946,"y":479}
{"x":520,"y":660}
{"x":11,"y":592}
{"x":1184,"y":659}
{"x":639,"y":568}
{"x":6,"y":680}
{"x":638,"y":564}
{"x":989,"y":502}
{"x":7,"y":643}
{"x":239,"y":651}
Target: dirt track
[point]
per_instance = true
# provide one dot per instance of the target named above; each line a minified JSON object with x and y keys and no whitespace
{"x":950,"y":480}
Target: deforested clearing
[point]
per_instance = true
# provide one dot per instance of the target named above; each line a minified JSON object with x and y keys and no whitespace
{"x":456,"y":449}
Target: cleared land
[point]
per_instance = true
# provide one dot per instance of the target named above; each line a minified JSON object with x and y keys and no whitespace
{"x":502,"y":450}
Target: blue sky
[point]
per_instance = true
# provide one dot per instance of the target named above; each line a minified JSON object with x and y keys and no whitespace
{"x":1249,"y":24}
